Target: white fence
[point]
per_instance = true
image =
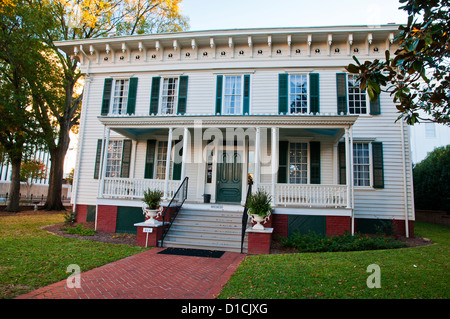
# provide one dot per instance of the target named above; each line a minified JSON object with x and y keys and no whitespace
{"x":307,"y":195}
{"x":131,"y":188}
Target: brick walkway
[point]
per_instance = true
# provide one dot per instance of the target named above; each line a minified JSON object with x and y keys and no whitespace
{"x":149,"y":275}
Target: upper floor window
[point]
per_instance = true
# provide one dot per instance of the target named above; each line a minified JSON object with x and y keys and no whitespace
{"x":357,"y":98}
{"x":232,"y":103}
{"x":169,"y":96}
{"x":120,"y":96}
{"x":298,"y":93}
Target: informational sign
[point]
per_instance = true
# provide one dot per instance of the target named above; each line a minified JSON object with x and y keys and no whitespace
{"x":147,"y":230}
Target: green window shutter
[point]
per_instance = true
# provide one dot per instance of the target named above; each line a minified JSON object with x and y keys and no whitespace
{"x":377,"y":165}
{"x":106,"y":96}
{"x":283,"y":84}
{"x":154,"y":97}
{"x":219,"y":94}
{"x":131,"y":104}
{"x":246,"y":109}
{"x":182,"y":94}
{"x":314,"y":97}
{"x":126,"y":159}
{"x":342,"y":163}
{"x":341,"y":88}
{"x":283,"y":161}
{"x":150,"y":159}
{"x":375,"y":106}
{"x":98,"y":158}
{"x":314,"y":149}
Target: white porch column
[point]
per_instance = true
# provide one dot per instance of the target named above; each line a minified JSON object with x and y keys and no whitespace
{"x":168,"y":157}
{"x":185,"y":151}
{"x":105,"y":146}
{"x":352,"y":182}
{"x":274,"y":152}
{"x":348,"y":167}
{"x":257,"y":151}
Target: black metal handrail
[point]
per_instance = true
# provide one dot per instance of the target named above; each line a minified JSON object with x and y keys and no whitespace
{"x":176,"y":202}
{"x":245,"y":215}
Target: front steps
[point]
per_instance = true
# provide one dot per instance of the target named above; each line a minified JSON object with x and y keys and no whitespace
{"x":207,"y":226}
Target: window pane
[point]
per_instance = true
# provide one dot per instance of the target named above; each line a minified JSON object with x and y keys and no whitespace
{"x":120,"y":97}
{"x":298,"y":166}
{"x":114,"y":159}
{"x":232,"y":95}
{"x":169,"y":95}
{"x":356,"y":97}
{"x":361,"y":164}
{"x":298,"y":93}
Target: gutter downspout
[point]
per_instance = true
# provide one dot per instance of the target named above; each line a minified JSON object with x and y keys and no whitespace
{"x":82,"y":129}
{"x":405,"y":185}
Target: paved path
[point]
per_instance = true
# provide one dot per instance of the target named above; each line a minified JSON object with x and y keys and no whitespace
{"x":149,"y":275}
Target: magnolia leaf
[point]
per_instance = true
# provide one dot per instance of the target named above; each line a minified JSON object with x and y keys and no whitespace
{"x":352,"y":68}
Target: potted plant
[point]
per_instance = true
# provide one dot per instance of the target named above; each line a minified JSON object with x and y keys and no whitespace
{"x":259,"y":208}
{"x":151,"y":208}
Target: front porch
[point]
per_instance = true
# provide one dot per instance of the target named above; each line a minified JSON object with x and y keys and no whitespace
{"x":286,"y":195}
{"x":298,"y":162}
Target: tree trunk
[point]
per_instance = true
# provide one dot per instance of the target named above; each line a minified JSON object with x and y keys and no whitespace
{"x":57,"y":156}
{"x":14,"y":188}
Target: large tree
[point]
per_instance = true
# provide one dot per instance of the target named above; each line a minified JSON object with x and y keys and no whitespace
{"x":83,"y":19}
{"x":18,"y":130}
{"x":418,"y":76}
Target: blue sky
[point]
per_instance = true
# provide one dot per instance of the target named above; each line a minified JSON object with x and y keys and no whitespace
{"x":231,"y":14}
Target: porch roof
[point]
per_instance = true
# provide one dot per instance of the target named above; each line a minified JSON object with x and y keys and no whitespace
{"x":135,"y":126}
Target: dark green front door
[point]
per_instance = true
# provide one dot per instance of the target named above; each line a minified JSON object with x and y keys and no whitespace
{"x":229,"y":177}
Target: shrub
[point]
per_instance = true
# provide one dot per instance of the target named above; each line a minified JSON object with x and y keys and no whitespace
{"x":259,"y":203}
{"x":70,"y":217}
{"x":152,"y":198}
{"x":80,"y":230}
{"x":313,"y":242}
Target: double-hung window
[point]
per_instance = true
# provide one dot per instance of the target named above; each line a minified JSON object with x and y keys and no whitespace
{"x":298,"y":93}
{"x":120,"y":96}
{"x":357,"y":98}
{"x":169,"y":96}
{"x":114,"y":160}
{"x":298,"y":163}
{"x":361,"y":164}
{"x":232,"y":96}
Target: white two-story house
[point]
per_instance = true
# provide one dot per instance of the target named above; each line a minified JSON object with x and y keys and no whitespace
{"x":275,"y":106}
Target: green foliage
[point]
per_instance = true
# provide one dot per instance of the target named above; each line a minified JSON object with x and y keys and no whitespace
{"x":79,"y":230}
{"x":70,"y":217}
{"x":418,"y":77}
{"x":31,"y":258}
{"x":152,"y":198}
{"x":313,"y":242}
{"x":259,"y":203}
{"x":431,"y":181}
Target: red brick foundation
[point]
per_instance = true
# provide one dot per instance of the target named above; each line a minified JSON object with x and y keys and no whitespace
{"x":81,"y":213}
{"x":399,"y":226}
{"x":338,"y":225}
{"x":106,"y":218}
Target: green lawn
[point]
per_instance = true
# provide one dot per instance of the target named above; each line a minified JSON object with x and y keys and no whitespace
{"x":31,"y":258}
{"x":419,"y":272}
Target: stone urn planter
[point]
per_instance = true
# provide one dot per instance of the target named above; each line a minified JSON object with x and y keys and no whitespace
{"x":151,"y":207}
{"x":259,"y":208}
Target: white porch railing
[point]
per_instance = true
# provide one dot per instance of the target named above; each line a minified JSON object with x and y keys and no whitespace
{"x":308,"y":195}
{"x":131,"y":188}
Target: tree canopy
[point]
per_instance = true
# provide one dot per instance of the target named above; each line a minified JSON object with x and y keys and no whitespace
{"x":418,"y":75}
